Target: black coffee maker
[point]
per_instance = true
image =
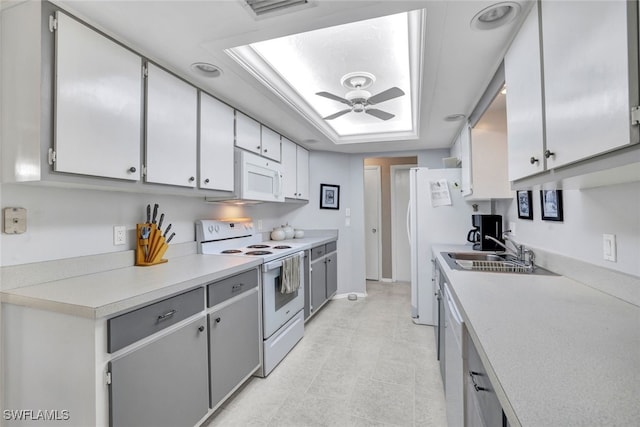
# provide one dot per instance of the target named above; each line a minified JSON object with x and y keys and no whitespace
{"x":485,"y":225}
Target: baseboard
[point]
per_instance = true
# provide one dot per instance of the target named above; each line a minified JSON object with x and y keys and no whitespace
{"x":342,"y":296}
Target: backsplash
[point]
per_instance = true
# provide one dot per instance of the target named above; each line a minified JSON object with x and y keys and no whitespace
{"x":588,"y":214}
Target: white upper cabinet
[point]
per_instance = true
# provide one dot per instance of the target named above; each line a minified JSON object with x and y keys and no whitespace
{"x":270,"y":146}
{"x":295,"y":170}
{"x":523,"y":77}
{"x":590,"y":77}
{"x":98,"y":104}
{"x":172,"y":127}
{"x":248,"y":133}
{"x":302,"y":172}
{"x":216,"y":144}
{"x":572,"y":85}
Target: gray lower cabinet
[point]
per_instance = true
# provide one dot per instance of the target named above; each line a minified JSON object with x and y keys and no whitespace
{"x":164,"y":382}
{"x":482,"y":405}
{"x":234,"y":344}
{"x":323,"y":275}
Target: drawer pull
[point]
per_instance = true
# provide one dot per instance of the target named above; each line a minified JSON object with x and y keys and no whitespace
{"x":166,"y":316}
{"x":472,"y":374}
{"x":236,"y":288}
{"x":218,"y":320}
{"x":201,"y":328}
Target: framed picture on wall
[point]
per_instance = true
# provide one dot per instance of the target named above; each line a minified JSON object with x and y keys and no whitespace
{"x":525,"y":204}
{"x":551,"y":204}
{"x":329,"y":196}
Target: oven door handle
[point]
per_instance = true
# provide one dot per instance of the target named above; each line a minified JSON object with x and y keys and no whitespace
{"x":277,"y":264}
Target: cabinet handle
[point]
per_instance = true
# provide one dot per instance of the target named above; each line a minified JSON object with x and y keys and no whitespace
{"x":132,"y":169}
{"x":201,"y":328}
{"x":473,"y":380}
{"x":236,"y":288}
{"x":258,"y":147}
{"x":191,"y":179}
{"x":166,"y":316}
{"x":218,"y":320}
{"x":265,"y":150}
{"x":548,"y":153}
{"x":206,"y":181}
{"x":533,"y":160}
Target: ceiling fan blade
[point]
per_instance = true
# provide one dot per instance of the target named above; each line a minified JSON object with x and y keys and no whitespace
{"x":338,"y":114}
{"x":334,"y":97}
{"x":382,"y":115}
{"x":386,"y":95}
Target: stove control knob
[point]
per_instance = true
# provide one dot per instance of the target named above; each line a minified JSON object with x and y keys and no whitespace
{"x":217,"y":228}
{"x":210,"y":228}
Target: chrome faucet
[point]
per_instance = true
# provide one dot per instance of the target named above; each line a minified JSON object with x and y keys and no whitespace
{"x":522,"y":253}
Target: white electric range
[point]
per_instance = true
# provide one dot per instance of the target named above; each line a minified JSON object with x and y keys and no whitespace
{"x":282,"y":313}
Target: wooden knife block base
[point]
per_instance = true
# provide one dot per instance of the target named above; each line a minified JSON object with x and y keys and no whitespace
{"x":150,"y":251}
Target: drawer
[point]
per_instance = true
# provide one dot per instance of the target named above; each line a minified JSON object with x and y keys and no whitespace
{"x":135,"y":325}
{"x":318,"y":252}
{"x":230,"y":287}
{"x":331,"y":247}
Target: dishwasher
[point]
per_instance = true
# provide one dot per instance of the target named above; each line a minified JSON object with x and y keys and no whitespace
{"x":454,"y":378}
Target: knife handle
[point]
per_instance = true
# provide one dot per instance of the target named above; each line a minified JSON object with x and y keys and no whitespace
{"x":155,"y":213}
{"x":160,"y":222}
{"x":148,"y":214}
{"x":167,"y":230}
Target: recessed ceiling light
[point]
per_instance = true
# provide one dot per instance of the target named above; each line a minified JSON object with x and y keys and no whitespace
{"x":455,"y":117}
{"x":495,"y":16}
{"x":207,"y":70}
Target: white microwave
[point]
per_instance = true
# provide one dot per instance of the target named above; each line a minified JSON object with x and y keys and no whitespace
{"x":257,"y":178}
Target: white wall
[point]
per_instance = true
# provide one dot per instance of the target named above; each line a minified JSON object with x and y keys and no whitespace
{"x":588,"y":214}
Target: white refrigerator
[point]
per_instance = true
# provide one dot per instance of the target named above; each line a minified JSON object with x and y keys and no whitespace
{"x":431,"y":220}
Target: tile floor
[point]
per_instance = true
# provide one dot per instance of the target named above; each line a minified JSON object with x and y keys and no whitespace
{"x":360,"y":363}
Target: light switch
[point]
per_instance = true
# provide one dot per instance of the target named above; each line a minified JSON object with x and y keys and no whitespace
{"x":347,"y":212}
{"x":15,"y":220}
{"x":609,"y":247}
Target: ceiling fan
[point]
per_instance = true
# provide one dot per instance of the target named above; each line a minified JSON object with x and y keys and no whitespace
{"x":358,"y":99}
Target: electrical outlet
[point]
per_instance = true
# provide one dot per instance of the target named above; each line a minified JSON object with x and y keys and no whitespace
{"x":119,"y":235}
{"x":609,"y":247}
{"x":259,"y":225}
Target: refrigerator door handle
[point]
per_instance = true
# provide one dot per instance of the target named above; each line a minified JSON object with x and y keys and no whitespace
{"x":408,"y":221}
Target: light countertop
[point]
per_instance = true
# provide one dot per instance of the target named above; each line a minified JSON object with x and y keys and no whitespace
{"x":106,"y":293}
{"x":558,"y":353}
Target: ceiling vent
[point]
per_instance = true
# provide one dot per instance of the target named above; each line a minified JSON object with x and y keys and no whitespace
{"x":263,"y":8}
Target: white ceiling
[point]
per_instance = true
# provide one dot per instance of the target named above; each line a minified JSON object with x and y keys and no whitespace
{"x":457,"y":62}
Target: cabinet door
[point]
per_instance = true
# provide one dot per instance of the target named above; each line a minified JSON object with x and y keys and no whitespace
{"x":523,"y":76}
{"x":234,"y":345}
{"x":302,"y":169}
{"x":98,"y":104}
{"x":172,"y":127}
{"x":270,"y":144}
{"x":318,"y":284}
{"x":247,"y":133}
{"x":332,"y":274}
{"x":163,"y":383}
{"x":216,"y":144}
{"x":589,"y":79}
{"x":289,"y":171}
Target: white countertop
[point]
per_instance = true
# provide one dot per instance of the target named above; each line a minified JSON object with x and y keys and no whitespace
{"x":559,"y":353}
{"x":106,"y":293}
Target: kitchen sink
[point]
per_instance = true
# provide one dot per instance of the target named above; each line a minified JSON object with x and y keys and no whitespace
{"x":491,"y":262}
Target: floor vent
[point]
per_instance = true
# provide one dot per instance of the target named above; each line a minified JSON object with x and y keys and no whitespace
{"x":267,"y":7}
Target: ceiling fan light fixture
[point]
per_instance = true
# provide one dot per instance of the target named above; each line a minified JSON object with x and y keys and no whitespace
{"x":206,"y":69}
{"x":495,"y":16}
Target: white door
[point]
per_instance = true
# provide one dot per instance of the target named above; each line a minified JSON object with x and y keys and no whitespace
{"x":248,"y":133}
{"x":302,"y":173}
{"x":289,"y":169}
{"x":401,"y":250}
{"x":270,"y":143}
{"x":372,"y":189}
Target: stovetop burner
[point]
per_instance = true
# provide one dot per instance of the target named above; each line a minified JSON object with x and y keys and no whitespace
{"x":258,"y":246}
{"x":282,"y":247}
{"x":231,"y":251}
{"x":259,"y":252}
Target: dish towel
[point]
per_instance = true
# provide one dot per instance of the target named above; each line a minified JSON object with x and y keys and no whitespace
{"x":290,"y":280}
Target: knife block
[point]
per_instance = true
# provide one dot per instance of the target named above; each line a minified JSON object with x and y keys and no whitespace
{"x":151,"y":250}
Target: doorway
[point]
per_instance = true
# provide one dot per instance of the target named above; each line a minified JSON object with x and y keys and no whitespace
{"x":372,"y":214}
{"x":386,"y":195}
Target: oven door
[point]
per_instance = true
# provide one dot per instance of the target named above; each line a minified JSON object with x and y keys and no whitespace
{"x":278,"y":308}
